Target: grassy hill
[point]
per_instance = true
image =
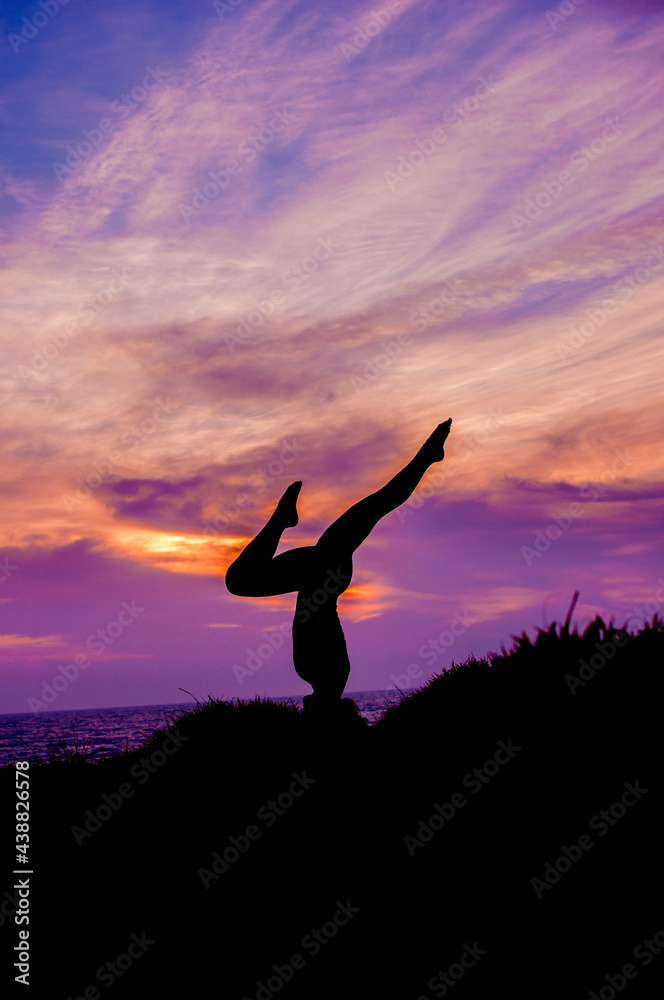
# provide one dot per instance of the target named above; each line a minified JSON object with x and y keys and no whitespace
{"x":497,"y":832}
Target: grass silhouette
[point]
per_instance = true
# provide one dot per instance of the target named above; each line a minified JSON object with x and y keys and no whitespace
{"x":373,"y":826}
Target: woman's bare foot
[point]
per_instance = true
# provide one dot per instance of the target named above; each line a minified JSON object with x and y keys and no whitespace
{"x":434,"y":445}
{"x":286,"y":509}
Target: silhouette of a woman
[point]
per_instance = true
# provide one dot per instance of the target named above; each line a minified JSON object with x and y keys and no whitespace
{"x":320,"y":573}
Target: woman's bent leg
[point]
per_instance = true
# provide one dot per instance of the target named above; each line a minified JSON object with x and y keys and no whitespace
{"x":268,"y":578}
{"x":257,"y":572}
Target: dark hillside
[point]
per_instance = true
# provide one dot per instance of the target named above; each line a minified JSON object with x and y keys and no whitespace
{"x":459,"y":844}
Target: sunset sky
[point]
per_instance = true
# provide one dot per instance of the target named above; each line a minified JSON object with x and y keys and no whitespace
{"x":263,"y":241}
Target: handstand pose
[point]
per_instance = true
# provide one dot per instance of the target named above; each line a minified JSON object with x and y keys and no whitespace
{"x":320,"y":573}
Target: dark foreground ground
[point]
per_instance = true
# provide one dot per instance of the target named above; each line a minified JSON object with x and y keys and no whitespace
{"x":499,"y":833}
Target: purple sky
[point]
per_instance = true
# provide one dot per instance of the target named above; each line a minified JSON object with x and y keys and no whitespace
{"x":260,"y":242}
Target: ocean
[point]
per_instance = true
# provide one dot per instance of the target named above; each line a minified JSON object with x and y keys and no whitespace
{"x":106,"y":731}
